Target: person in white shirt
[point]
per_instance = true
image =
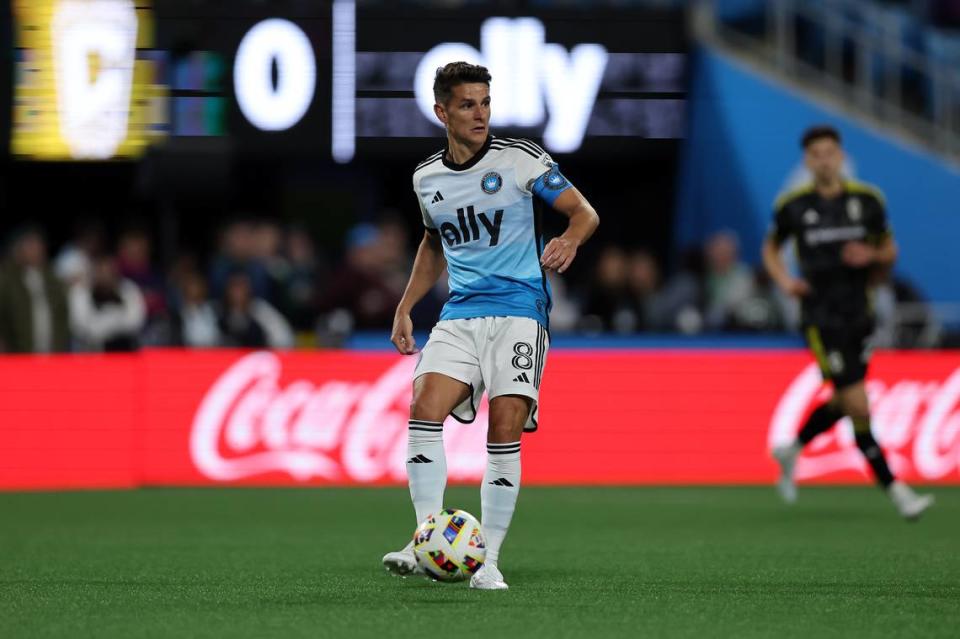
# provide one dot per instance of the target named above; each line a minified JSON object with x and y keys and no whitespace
{"x":107,"y":312}
{"x":250,"y":322}
{"x":195,"y":324}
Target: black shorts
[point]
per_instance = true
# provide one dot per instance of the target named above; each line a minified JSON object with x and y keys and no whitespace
{"x":842,"y":354}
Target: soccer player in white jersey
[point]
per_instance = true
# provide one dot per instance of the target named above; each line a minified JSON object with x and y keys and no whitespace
{"x":480,"y":199}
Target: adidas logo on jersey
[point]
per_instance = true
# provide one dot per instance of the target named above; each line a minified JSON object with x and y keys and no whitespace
{"x":437,"y":198}
{"x":522,"y":377}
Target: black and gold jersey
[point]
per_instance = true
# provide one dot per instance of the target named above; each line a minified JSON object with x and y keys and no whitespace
{"x":821,"y":227}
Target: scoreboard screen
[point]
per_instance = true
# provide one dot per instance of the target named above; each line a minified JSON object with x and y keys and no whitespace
{"x":101,"y":79}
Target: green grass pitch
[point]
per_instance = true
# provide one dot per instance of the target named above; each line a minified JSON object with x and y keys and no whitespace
{"x":581,"y":562}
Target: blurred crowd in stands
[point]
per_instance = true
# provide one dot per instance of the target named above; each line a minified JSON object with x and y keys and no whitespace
{"x":268,"y":285}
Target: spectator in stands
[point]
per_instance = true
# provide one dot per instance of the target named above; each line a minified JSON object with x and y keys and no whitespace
{"x":298,"y":293}
{"x":361,"y":295}
{"x":195,"y":323}
{"x":729,"y":282}
{"x":761,"y":310}
{"x":643,"y":287}
{"x":607,"y":296}
{"x":248,"y":321}
{"x":267,"y":251}
{"x":395,"y":254}
{"x":33,"y":305}
{"x":73,"y":262}
{"x":237,"y":252}
{"x":564,"y":311}
{"x":108,"y":312}
{"x":134,"y":252}
{"x":681,"y":299}
{"x":394,"y":242}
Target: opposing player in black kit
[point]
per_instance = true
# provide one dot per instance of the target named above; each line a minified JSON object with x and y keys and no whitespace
{"x":843,"y":240}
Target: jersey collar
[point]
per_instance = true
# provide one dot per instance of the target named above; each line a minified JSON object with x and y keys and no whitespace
{"x":453,"y":166}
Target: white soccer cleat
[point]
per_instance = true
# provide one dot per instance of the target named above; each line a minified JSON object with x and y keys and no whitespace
{"x":909,"y":504}
{"x":488,"y":577}
{"x":401,"y":562}
{"x":787,"y":455}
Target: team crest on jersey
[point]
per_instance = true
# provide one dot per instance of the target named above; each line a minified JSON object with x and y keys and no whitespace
{"x":854,"y":209}
{"x":491,"y":182}
{"x":811,"y":217}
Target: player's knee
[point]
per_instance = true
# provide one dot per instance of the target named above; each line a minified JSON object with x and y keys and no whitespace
{"x":508,"y":414}
{"x":426,"y":409}
{"x":504,"y":432}
{"x":426,"y":405}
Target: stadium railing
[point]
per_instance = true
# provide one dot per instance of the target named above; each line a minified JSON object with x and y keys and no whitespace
{"x":882,"y":61}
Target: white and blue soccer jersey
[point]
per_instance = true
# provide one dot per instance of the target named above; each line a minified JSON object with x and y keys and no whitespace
{"x":487,"y":216}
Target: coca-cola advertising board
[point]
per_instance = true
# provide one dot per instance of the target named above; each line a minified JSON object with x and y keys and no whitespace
{"x":170,"y":417}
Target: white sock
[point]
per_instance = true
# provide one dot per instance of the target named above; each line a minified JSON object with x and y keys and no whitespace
{"x":426,"y":467}
{"x":498,"y":495}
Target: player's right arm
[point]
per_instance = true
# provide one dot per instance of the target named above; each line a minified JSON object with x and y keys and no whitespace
{"x":773,"y":260}
{"x":427,"y":268}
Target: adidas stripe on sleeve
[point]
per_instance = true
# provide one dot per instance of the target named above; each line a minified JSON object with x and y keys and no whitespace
{"x":536,"y":172}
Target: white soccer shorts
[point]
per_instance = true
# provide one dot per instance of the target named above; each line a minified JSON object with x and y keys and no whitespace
{"x":504,"y":355}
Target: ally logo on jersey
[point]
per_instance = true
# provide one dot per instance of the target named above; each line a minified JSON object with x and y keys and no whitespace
{"x":469,"y":230}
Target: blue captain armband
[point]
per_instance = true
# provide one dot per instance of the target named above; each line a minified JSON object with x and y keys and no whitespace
{"x":550,"y":185}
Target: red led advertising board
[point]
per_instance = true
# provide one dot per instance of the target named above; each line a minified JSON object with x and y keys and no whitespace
{"x":171,"y":417}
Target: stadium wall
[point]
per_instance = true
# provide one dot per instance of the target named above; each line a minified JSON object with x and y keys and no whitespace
{"x":742,"y":149}
{"x":172,"y":417}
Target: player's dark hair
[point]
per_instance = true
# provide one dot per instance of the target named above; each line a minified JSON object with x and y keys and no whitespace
{"x":819,"y":132}
{"x":455,"y":73}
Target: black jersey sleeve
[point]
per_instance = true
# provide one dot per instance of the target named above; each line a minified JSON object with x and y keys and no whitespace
{"x":780,"y":227}
{"x":877,"y":222}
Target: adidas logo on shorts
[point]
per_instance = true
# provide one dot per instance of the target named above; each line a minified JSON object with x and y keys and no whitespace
{"x":522,"y":377}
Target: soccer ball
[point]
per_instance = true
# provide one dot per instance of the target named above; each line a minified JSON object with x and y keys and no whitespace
{"x":449,"y":545}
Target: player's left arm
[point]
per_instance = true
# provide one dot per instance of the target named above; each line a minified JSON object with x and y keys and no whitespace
{"x":582,"y":222}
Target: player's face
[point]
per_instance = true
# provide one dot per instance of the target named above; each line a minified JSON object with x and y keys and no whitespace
{"x":467,"y":113}
{"x":824,"y":158}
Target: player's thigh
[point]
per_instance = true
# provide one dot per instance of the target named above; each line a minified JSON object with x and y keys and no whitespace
{"x":842,"y":354}
{"x":850,"y":357}
{"x":853,"y":399}
{"x":817,"y":343}
{"x":508,"y":415}
{"x":448,"y":370}
{"x":512,"y":363}
{"x":435,"y":395}
{"x":513,"y":357}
